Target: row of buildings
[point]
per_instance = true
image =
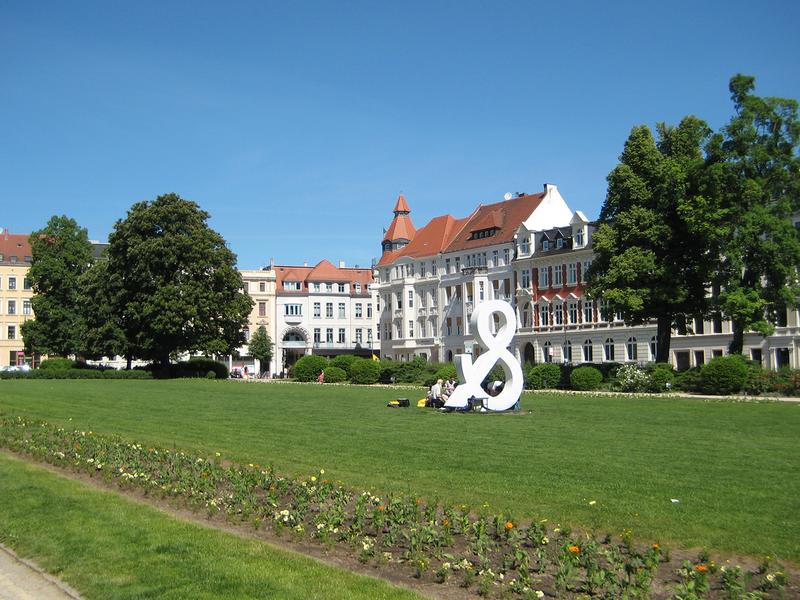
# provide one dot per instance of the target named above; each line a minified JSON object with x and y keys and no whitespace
{"x":530,"y":250}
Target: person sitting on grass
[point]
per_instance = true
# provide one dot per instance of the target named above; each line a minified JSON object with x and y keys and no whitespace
{"x":436,"y":398}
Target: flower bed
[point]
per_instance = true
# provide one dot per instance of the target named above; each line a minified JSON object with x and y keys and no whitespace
{"x":491,"y":554}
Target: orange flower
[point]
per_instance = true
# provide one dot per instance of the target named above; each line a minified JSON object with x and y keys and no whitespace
{"x":509,"y":525}
{"x":381,"y":508}
{"x":656,"y":547}
{"x":701,"y":568}
{"x":419,"y":501}
{"x":446,"y":522}
{"x":574,"y":549}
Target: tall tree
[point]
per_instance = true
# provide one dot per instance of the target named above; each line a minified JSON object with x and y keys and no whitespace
{"x":60,"y":254}
{"x":104,"y":335}
{"x":260,"y":347}
{"x":758,"y":163}
{"x":649,"y":261}
{"x":176,"y":286}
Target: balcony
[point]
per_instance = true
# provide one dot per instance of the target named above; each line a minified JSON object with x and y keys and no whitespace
{"x":422,"y":311}
{"x":433,"y":310}
{"x":293,"y":319}
{"x":294,"y":344}
{"x":398,"y":313}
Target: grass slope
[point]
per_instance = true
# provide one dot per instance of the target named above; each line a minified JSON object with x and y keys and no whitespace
{"x":111,"y":548}
{"x":733,"y":466}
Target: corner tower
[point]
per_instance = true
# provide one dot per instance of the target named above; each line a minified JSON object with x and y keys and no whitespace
{"x":401,"y":231}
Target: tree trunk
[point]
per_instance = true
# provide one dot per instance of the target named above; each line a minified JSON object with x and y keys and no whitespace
{"x":128,"y":362}
{"x":663,"y":338}
{"x":737,"y":342}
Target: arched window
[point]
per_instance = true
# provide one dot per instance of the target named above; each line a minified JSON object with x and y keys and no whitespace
{"x":567,"y":351}
{"x":588,"y":354}
{"x":609,"y":349}
{"x":631,"y":347}
{"x":547,"y":349}
{"x":528,"y":355}
{"x":544,"y":315}
{"x":653,"y":348}
{"x":526,"y":315}
{"x":558,"y":313}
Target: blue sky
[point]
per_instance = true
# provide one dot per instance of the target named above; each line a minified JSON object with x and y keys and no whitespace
{"x":296,"y":124}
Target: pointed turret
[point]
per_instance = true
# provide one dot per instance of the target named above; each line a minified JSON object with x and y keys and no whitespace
{"x":401,"y":231}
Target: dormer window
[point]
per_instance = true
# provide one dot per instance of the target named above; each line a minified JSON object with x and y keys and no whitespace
{"x":545,"y":245}
{"x":579,"y":238}
{"x":560,"y":243}
{"x":483,"y":233}
{"x":525,"y":245}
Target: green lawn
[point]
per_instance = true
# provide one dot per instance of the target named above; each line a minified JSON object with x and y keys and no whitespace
{"x":733,"y":466}
{"x":109,"y":547}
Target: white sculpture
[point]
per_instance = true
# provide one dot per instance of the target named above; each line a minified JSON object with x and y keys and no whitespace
{"x":495,"y":349}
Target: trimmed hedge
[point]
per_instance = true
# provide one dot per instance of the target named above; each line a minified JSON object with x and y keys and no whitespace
{"x":56,"y":363}
{"x":343,"y":361}
{"x":724,"y":375}
{"x":335,"y":375}
{"x":308,"y":368}
{"x":585,"y":378}
{"x":543,"y":376}
{"x":365,"y":371}
{"x":75,"y":374}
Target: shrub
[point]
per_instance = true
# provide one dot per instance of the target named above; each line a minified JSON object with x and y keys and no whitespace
{"x":543,"y":376}
{"x":308,"y":367}
{"x":75,"y":374}
{"x":198,"y":367}
{"x":662,"y":377}
{"x":211,"y":375}
{"x":56,"y":363}
{"x":365,"y":371}
{"x":689,"y":380}
{"x":335,"y":375}
{"x":343,"y":361}
{"x":585,"y":378}
{"x":496,"y":374}
{"x":444,"y":373}
{"x":724,"y":375}
{"x":631,"y":378}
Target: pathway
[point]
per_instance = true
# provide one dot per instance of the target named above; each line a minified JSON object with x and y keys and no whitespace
{"x":22,"y":580}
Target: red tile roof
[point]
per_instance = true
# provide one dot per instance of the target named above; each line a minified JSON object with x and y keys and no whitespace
{"x":506,"y":216}
{"x":428,"y":241}
{"x":401,"y":229}
{"x":14,"y":244}
{"x":323,"y":271}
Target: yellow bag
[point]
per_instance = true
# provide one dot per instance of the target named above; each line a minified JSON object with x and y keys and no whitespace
{"x":421,"y":403}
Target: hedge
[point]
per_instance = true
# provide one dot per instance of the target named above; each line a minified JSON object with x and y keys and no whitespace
{"x":365,"y":371}
{"x":75,"y":374}
{"x":308,"y":367}
{"x":335,"y":375}
{"x":585,"y":378}
{"x":724,"y":375}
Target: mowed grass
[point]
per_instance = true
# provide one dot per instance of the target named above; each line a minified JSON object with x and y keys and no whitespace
{"x":109,"y":547}
{"x":732,"y":466}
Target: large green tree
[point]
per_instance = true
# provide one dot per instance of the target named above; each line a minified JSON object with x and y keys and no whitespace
{"x":174,"y":283}
{"x":758,"y":169}
{"x":61,"y":254}
{"x":650,"y":260}
{"x":104,"y":335}
{"x":260,"y":347}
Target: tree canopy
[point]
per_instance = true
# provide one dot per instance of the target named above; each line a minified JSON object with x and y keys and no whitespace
{"x":757,"y":166}
{"x":60,"y":255}
{"x":174,"y":286}
{"x":260,"y":346}
{"x":650,"y":262}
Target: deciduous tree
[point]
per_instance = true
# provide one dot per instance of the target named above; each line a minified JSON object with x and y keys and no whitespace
{"x":61,"y":254}
{"x":260,"y":346}
{"x":177,"y":286}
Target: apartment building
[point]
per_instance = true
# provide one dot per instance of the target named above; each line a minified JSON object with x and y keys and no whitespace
{"x":260,"y":285}
{"x":15,"y":296}
{"x":533,"y":251}
{"x":325,"y":310}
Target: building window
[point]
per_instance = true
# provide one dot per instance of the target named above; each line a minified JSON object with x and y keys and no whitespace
{"x":293,"y":310}
{"x":558,"y":314}
{"x":329,"y":335}
{"x":262,"y":309}
{"x":579,"y":238}
{"x":525,"y":245}
{"x":458,"y":264}
{"x":317,"y":336}
{"x":411,"y":329}
{"x":341,"y":310}
{"x":558,"y":274}
{"x":716,"y":322}
{"x":481,"y":292}
{"x":653,"y":348}
{"x":329,"y":287}
{"x":586,"y":266}
{"x":12,"y":307}
{"x":588,"y":311}
{"x":341,"y":288}
{"x":559,"y":243}
{"x":341,"y":336}
{"x":293,"y":286}
{"x":605,"y":311}
{"x":543,"y":272}
{"x":567,"y":351}
{"x":526,"y":279}
{"x":369,"y":335}
{"x":547,"y":350}
{"x":359,"y":309}
{"x":573,"y":312}
{"x":26,"y":307}
{"x":447,"y":265}
{"x":410,"y":298}
{"x":357,"y":288}
{"x":369,"y":310}
{"x":12,"y":332}
{"x":544,"y":315}
{"x":26,"y":283}
{"x":609,"y":349}
{"x":495,"y":257}
{"x":329,"y":310}
{"x":588,"y":352}
{"x":317,"y":310}
{"x":572,"y":274}
{"x":262,"y":286}
{"x":358,"y":336}
{"x":506,"y":256}
{"x":545,"y":245}
{"x":633,"y":353}
{"x":399,"y":297}
{"x":12,"y":283}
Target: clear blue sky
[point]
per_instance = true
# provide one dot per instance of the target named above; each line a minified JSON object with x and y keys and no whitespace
{"x":296,"y":124}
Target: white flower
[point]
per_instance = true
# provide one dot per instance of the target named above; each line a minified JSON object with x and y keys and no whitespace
{"x":539,"y":593}
{"x":592,"y":503}
{"x":770,"y":577}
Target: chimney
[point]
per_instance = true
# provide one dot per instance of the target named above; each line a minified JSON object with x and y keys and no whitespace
{"x":341,"y":264}
{"x":305,"y":263}
{"x":549,"y":187}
